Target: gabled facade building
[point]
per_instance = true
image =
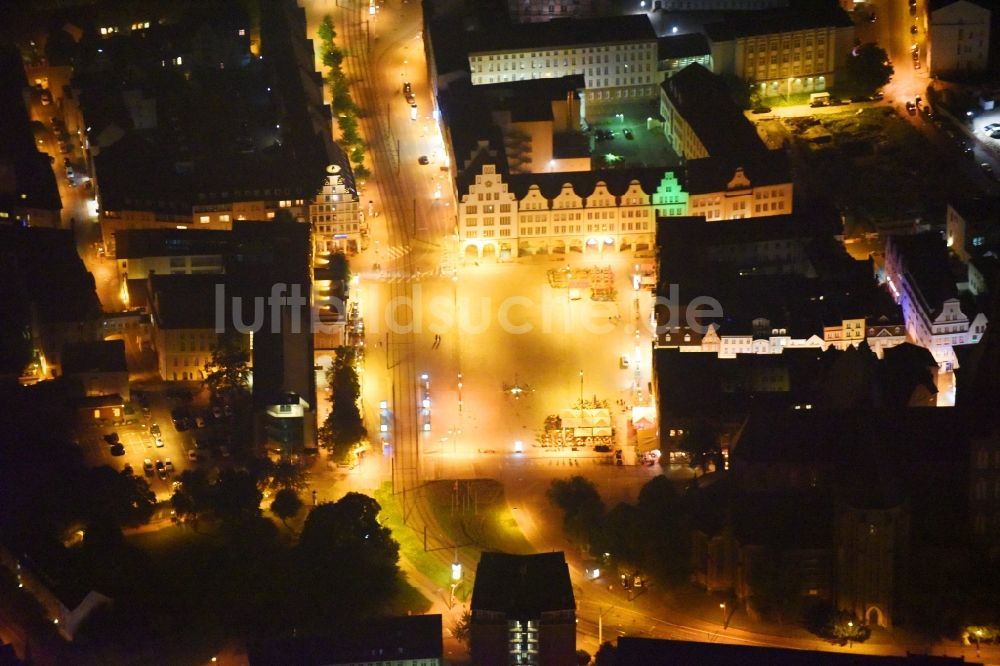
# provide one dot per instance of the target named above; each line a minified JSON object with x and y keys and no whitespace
{"x":335,"y":213}
{"x":592,"y":211}
{"x":917,"y":274}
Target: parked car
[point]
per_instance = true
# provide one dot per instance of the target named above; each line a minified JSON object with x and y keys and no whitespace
{"x":987,"y":168}
{"x":199,"y":421}
{"x":127,"y":469}
{"x":216,"y":412}
{"x":168,"y":464}
{"x":911,"y":108}
{"x":913,"y":29}
{"x":154,"y":430}
{"x":628,"y":134}
{"x":118,"y":450}
{"x":992,"y":127}
{"x":995,"y":134}
{"x":161,"y":471}
{"x":147,"y":467}
{"x":423,"y":160}
{"x":111,"y":438}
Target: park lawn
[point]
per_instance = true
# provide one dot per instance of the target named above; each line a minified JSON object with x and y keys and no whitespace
{"x":476,"y":515}
{"x":411,"y":543}
{"x":408,"y":599}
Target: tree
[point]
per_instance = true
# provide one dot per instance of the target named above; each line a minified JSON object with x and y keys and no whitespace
{"x":235,"y":496}
{"x":287,"y":474}
{"x":460,"y":628}
{"x":343,"y":428}
{"x":581,"y":504}
{"x":606,"y":655}
{"x":837,"y":626}
{"x":332,"y":58}
{"x":358,"y":154}
{"x":701,"y":442}
{"x":325,"y":30}
{"x":339,"y":267}
{"x":361,"y":172}
{"x":868,"y":68}
{"x":286,"y":504}
{"x":193,"y":495}
{"x":123,"y":499}
{"x":229,"y":369}
{"x":622,"y":535}
{"x":347,"y":562}
{"x":582,"y":658}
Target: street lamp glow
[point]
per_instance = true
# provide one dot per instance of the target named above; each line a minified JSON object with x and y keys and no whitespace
{"x":456,"y":571}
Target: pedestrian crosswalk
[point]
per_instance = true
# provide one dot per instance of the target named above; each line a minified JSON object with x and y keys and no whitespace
{"x":396,"y":277}
{"x":396,"y":251}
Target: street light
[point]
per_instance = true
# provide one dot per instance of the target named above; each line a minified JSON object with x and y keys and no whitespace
{"x":581,"y":389}
{"x":456,"y":578}
{"x":722,"y":606}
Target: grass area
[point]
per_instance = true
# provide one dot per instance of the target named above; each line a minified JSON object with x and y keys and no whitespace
{"x":408,"y":599}
{"x":476,"y":514}
{"x":411,"y":543}
{"x":873,"y":162}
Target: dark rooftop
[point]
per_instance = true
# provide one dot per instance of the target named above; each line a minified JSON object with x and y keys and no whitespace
{"x":800,"y":15}
{"x":682,"y":46}
{"x":467,"y":111}
{"x":521,"y":585}
{"x":96,"y":356}
{"x":645,"y":651}
{"x":23,"y":169}
{"x":978,"y":209}
{"x":934,"y":5}
{"x":713,"y":174}
{"x":924,"y":258}
{"x":200,"y":133}
{"x":565,"y":32}
{"x":185,"y":301}
{"x":412,"y":638}
{"x":49,"y":273}
{"x":704,"y":101}
{"x":584,"y":182}
{"x":139,"y":243}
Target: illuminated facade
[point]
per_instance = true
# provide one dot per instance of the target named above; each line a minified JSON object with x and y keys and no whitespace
{"x":766,"y":340}
{"x":617,"y":56}
{"x":917,"y":274}
{"x":502,"y":217}
{"x":783,"y":51}
{"x":335,"y":214}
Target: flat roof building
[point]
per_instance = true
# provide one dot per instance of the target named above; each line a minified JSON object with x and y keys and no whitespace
{"x":523,"y":610}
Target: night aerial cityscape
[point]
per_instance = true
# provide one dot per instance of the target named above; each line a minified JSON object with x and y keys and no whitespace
{"x":499,"y":332}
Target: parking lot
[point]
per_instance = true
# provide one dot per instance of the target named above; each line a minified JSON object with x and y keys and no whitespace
{"x":174,"y":445}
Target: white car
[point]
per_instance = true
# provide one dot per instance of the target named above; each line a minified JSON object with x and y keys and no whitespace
{"x":991,"y":128}
{"x":169,"y":465}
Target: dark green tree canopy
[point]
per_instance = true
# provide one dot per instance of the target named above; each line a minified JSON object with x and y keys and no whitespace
{"x":868,"y":68}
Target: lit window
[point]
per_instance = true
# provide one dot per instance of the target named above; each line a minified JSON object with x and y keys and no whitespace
{"x":224,"y":217}
{"x":204,"y":219}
